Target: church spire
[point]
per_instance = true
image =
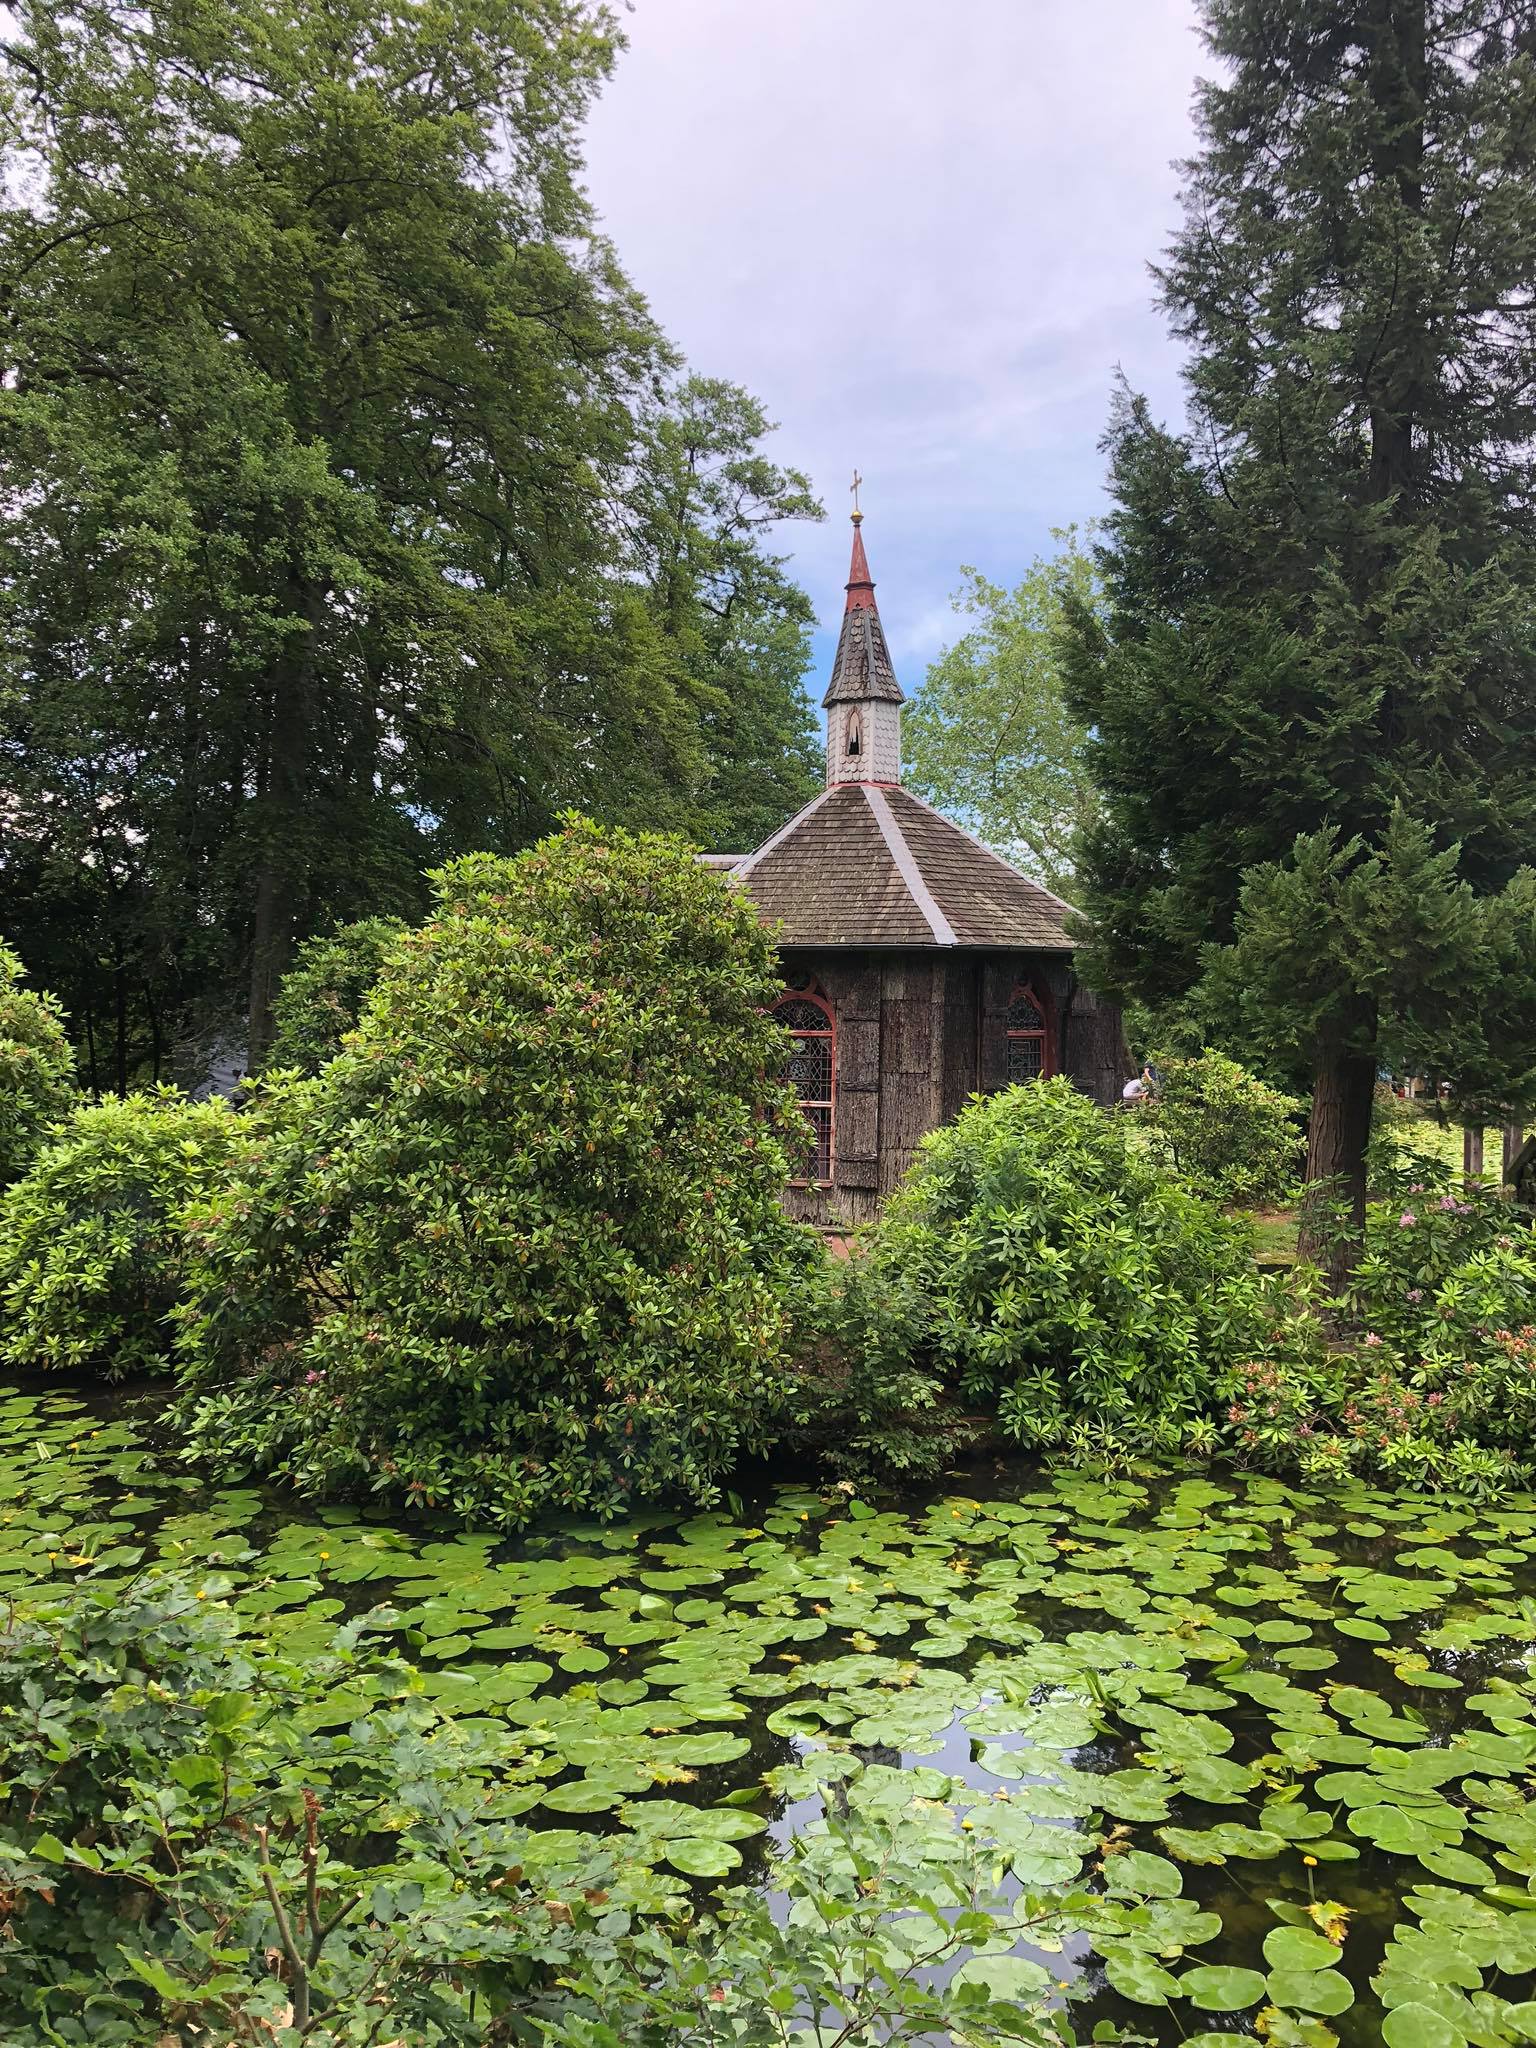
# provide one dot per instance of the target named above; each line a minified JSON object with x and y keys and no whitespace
{"x":863,"y":700}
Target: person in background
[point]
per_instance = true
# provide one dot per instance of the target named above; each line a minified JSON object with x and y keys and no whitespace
{"x":1139,"y":1088}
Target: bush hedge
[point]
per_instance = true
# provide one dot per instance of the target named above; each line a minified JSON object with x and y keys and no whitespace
{"x":518,"y":1247}
{"x":1056,"y":1277}
{"x":322,"y":994}
{"x":37,"y":1068}
{"x":1222,"y":1132}
{"x":92,"y":1253}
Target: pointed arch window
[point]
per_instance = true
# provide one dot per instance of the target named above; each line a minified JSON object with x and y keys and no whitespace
{"x":855,"y":736}
{"x":811,"y":1070}
{"x":1031,"y":1040}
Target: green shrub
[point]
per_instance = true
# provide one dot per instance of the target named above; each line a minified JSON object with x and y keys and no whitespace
{"x":37,"y":1068}
{"x":1423,"y":1369}
{"x":91,"y":1245}
{"x":322,"y":993}
{"x":1225,"y":1134}
{"x":518,"y":1247}
{"x":860,"y":1401}
{"x":1054,"y":1274}
{"x":204,"y":1839}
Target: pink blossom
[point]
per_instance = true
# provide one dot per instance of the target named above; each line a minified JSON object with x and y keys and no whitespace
{"x":1407,"y":1220}
{"x":1371,"y":1340}
{"x":1415,"y":1294}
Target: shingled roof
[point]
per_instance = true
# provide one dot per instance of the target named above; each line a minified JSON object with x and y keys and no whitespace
{"x":870,"y":865}
{"x":867,"y":863}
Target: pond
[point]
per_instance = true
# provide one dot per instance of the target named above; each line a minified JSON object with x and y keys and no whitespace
{"x":1286,"y":1737}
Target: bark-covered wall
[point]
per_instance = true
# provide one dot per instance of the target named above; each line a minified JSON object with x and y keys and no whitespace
{"x":919,"y":1032}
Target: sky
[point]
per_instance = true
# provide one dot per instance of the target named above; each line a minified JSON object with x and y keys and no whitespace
{"x":920,"y":233}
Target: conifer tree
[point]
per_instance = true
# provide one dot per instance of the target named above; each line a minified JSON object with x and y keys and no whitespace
{"x":1314,"y":698}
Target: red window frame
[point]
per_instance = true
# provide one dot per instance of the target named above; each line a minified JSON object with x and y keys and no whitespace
{"x":820,"y":1111}
{"x":1023,"y":1037}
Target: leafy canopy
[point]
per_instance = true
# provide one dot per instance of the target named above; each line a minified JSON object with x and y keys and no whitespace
{"x":355,"y":511}
{"x":988,"y":737}
{"x":1313,"y":683}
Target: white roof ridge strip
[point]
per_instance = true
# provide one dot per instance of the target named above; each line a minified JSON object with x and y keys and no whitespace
{"x":943,"y":931}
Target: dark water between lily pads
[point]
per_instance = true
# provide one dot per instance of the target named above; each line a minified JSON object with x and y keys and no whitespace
{"x":1286,"y":1738}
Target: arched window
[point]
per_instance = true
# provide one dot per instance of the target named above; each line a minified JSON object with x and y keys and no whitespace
{"x":855,"y":735}
{"x":810,"y":1069}
{"x":1031,"y":1051}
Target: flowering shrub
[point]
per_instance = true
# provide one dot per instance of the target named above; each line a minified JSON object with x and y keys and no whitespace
{"x":37,"y":1068}
{"x":1225,"y":1134}
{"x":1047,"y":1269}
{"x":1430,"y":1373}
{"x":518,"y":1246}
{"x":91,"y":1246}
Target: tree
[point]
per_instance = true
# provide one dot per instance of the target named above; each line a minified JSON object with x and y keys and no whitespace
{"x":324,"y":411}
{"x":989,"y":738}
{"x":1311,"y":699}
{"x":704,"y":500}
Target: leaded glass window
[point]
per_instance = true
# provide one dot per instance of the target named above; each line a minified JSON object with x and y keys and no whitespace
{"x":809,"y":1070}
{"x":1029,"y":1050}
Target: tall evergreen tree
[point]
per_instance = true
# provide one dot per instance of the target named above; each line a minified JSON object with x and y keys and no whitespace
{"x":1314,"y":699}
{"x":323,"y":413}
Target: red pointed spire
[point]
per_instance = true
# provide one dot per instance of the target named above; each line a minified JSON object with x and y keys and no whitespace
{"x":861,"y":585}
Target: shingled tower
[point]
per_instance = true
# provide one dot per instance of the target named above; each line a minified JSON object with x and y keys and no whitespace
{"x":863,"y":701}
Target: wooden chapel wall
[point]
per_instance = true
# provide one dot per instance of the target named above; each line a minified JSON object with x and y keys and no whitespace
{"x":917,"y":1033}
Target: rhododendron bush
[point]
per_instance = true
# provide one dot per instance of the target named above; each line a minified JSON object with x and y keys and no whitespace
{"x":518,"y":1246}
{"x":1424,"y":1368}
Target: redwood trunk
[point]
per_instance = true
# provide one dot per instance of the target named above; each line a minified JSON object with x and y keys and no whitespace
{"x":1343,"y":1095}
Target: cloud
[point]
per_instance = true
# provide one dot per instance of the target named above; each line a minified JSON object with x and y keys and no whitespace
{"x":921,"y":236}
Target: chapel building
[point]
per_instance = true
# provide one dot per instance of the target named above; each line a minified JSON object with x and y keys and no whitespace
{"x":920,"y":968}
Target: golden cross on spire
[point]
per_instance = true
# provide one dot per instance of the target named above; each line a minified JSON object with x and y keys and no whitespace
{"x":854,"y":487}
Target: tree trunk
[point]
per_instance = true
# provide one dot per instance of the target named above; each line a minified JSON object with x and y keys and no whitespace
{"x":1514,"y":1138}
{"x":1343,"y":1096}
{"x":279,"y":876}
{"x":1472,"y":1153}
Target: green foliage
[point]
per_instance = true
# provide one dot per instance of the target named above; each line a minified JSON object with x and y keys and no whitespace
{"x":192,"y":1832}
{"x":518,"y":1247}
{"x":861,"y":1402}
{"x":36,"y":1067}
{"x":356,"y":511}
{"x":1423,"y":1366}
{"x":92,"y":1250}
{"x":1225,"y":1135}
{"x":1305,"y":703}
{"x":1048,"y":1269}
{"x":322,"y":992}
{"x":988,"y":737}
{"x":199,"y":1831}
